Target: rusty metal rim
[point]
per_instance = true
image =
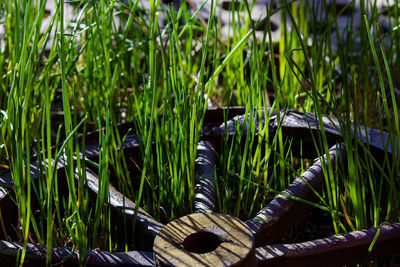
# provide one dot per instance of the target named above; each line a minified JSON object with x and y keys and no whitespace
{"x":335,"y":250}
{"x":36,"y":256}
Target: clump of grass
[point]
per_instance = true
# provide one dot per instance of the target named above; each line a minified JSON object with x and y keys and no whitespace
{"x":115,"y":63}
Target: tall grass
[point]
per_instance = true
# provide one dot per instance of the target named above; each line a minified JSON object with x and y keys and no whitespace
{"x":114,"y":63}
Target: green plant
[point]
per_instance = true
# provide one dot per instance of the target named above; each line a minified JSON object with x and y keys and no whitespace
{"x":114,"y":63}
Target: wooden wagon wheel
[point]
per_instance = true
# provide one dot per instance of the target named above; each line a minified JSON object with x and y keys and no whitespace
{"x":208,"y":238}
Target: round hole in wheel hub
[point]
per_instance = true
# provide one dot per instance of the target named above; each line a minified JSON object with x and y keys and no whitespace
{"x":202,"y":242}
{"x":205,"y":239}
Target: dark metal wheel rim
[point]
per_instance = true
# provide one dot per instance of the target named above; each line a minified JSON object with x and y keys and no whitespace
{"x":266,"y":232}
